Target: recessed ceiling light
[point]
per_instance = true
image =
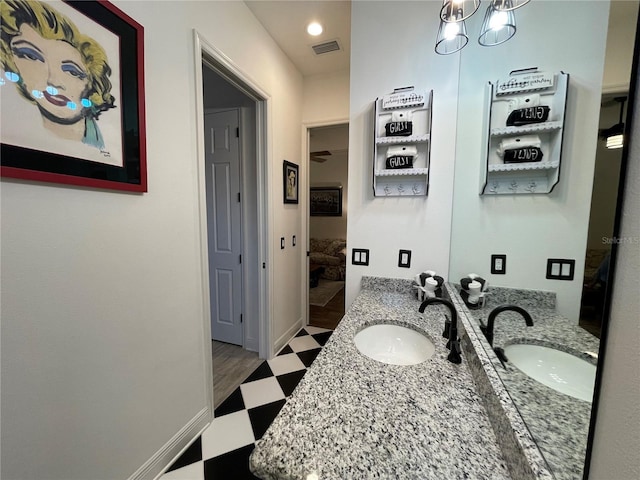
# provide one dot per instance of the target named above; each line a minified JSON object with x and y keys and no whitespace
{"x":314,"y":28}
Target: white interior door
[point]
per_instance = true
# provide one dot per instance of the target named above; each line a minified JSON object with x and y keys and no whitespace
{"x":224,"y":224}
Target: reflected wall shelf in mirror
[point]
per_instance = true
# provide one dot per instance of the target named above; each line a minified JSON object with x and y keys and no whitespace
{"x":402,"y":146}
{"x":525,"y":115}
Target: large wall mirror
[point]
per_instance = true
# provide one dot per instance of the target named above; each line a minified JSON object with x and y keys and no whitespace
{"x":592,"y":41}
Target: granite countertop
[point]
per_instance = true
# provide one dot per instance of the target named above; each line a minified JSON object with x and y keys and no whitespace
{"x":354,"y":417}
{"x":558,"y":423}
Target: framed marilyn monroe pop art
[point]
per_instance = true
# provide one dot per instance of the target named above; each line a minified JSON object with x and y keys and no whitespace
{"x":72,"y":93}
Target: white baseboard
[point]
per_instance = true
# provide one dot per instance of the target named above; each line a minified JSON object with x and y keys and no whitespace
{"x":288,"y":335}
{"x":163,"y":458}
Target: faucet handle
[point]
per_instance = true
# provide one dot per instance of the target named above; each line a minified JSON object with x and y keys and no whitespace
{"x":454,"y":354}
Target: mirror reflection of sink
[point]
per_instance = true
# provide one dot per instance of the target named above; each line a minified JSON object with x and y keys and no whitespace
{"x":558,"y":370}
{"x":394,"y":344}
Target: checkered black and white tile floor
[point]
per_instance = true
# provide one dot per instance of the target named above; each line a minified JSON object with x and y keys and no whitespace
{"x":223,"y":449}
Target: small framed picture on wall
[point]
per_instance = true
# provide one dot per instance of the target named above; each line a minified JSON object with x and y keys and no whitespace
{"x":290,"y":182}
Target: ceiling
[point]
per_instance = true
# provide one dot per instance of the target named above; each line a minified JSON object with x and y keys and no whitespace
{"x":286,"y":22}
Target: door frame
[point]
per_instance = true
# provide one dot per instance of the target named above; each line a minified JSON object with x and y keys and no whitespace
{"x":306,"y":154}
{"x":222,"y":65}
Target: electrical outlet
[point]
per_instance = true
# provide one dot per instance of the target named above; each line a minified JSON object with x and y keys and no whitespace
{"x":360,"y":256}
{"x":404,"y":258}
{"x":498,"y":264}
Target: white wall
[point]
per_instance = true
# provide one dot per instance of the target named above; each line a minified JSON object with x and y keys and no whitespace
{"x":391,"y":47}
{"x":617,"y":433}
{"x":531,"y":228}
{"x":326,"y":98}
{"x":622,"y":30}
{"x":103,"y":348}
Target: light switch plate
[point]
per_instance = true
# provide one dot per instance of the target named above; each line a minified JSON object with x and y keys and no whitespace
{"x":404,"y":258}
{"x":360,"y":256}
{"x":560,"y":268}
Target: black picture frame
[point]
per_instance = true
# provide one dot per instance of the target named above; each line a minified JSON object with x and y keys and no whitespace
{"x":32,"y":164}
{"x":325,"y":202}
{"x":290,"y":182}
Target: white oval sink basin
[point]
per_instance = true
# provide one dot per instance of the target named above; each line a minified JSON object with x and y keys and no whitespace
{"x":559,"y":370}
{"x":394,"y":344}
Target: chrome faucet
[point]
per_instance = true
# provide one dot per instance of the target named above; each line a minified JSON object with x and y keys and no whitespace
{"x":451,"y":326}
{"x":488,"y":328}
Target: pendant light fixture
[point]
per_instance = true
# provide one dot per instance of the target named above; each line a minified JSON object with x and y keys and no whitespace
{"x":451,"y":38}
{"x":506,"y":5}
{"x":499,"y":23}
{"x":498,"y":26}
{"x":458,"y":10}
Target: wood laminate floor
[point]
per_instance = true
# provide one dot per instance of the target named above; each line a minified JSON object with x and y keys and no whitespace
{"x":330,"y":315}
{"x":231,"y":366}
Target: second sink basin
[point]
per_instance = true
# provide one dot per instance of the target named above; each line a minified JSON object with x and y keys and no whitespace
{"x":559,"y":370}
{"x":394,"y":344}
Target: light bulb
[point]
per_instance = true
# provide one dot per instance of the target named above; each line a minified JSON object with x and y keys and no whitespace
{"x":314,"y":28}
{"x":498,"y":20}
{"x":451,"y":30}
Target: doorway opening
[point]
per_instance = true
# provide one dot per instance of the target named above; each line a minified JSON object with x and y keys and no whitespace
{"x":328,"y":202}
{"x":604,"y":197}
{"x":231,"y":127}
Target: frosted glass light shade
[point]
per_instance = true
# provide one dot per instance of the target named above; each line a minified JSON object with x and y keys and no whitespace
{"x":506,"y":5}
{"x":497,"y":27}
{"x":451,"y":38}
{"x":615,"y":141}
{"x":458,"y":10}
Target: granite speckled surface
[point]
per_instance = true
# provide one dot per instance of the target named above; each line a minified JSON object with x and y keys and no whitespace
{"x":354,"y":417}
{"x":558,"y":423}
{"x":524,"y":459}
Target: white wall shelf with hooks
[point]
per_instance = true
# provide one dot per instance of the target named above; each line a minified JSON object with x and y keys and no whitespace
{"x":524,"y":118}
{"x":402,"y":143}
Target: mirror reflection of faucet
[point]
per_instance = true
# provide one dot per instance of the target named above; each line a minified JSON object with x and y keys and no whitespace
{"x":488,"y":328}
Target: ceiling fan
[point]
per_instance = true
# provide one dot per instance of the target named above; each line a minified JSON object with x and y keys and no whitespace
{"x":319,"y":156}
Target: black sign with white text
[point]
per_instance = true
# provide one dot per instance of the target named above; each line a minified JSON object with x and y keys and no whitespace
{"x":399,"y":129}
{"x":521,"y":155}
{"x":400,"y":161}
{"x":526,"y":116}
